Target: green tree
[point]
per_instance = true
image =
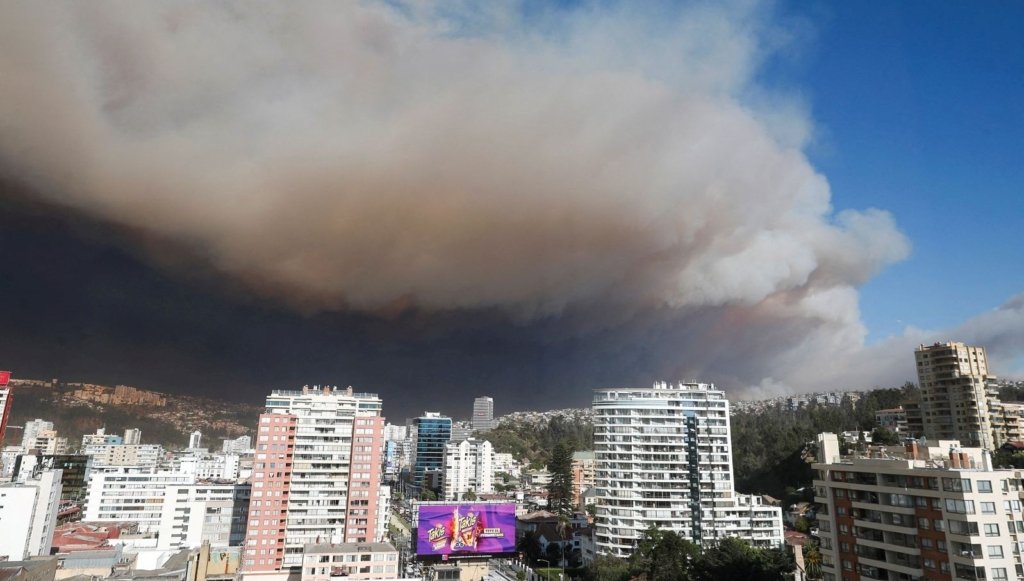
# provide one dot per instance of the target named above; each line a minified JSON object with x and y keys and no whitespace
{"x":673,"y":558}
{"x":884,"y":436}
{"x":812,"y":560}
{"x":606,"y":568}
{"x":470,"y":495}
{"x":428,"y":494}
{"x":529,"y":546}
{"x":560,"y":487}
{"x":736,"y":559}
{"x":554,"y":554}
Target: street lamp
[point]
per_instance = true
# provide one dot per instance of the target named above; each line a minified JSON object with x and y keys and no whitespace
{"x":549,"y":566}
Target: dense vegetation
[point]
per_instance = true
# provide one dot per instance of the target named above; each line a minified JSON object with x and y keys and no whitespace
{"x":665,"y":556}
{"x":533,"y":444}
{"x":770,"y":445}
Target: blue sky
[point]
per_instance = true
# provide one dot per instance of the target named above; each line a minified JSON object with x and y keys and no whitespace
{"x":919,"y":109}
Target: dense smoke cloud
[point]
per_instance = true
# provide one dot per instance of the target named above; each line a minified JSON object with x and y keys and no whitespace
{"x":599,"y":172}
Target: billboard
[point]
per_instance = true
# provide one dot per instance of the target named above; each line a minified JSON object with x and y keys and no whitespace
{"x":466,"y":529}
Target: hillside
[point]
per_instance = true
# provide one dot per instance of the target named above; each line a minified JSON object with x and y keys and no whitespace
{"x":165,"y":419}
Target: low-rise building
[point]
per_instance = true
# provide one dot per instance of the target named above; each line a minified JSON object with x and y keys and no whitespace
{"x":137,"y":457}
{"x":894,"y":419}
{"x":582,"y":476}
{"x":337,"y":561}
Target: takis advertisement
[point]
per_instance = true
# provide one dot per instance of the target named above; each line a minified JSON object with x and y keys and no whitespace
{"x":466,"y":529}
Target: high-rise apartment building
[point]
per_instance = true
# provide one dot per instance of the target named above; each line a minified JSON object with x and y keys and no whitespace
{"x":195,"y":440}
{"x":431,"y":433}
{"x":483,"y":413}
{"x":132,"y":436}
{"x":662,"y":458}
{"x":32,"y":429}
{"x":940,"y":512}
{"x":46,"y":442}
{"x":316,"y":475}
{"x":958,"y":402}
{"x":468,"y":466}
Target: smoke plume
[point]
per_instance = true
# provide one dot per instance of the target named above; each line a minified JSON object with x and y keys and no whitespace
{"x":599,"y":171}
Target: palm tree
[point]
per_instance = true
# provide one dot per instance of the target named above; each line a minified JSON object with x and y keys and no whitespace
{"x":812,"y":561}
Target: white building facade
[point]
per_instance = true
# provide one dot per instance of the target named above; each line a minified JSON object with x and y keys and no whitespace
{"x":468,"y":465}
{"x":204,"y":512}
{"x":28,"y":515}
{"x":130,"y":497}
{"x":662,"y":458}
{"x":119,"y":457}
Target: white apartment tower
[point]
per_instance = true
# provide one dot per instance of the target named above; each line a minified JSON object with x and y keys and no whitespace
{"x":325,"y":478}
{"x":133,"y":436}
{"x":957,"y":402}
{"x":483,"y":413}
{"x":662,"y":458}
{"x":468,"y":465}
{"x":195,"y":440}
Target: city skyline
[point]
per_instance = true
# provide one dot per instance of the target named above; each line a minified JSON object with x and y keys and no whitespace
{"x":773,"y":198}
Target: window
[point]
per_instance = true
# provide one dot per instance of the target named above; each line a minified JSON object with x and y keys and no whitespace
{"x":957,"y":485}
{"x":999,"y":573}
{"x":992,"y":530}
{"x":984,"y":486}
{"x":988,"y":508}
{"x":995,"y":551}
{"x":959,"y":527}
{"x":960,"y":506}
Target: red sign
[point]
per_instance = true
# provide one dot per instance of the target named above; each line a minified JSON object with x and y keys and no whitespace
{"x":5,"y":377}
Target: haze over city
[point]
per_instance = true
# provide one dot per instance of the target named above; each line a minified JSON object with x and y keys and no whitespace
{"x":434,"y":201}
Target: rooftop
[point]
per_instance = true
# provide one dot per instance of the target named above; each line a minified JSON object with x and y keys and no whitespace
{"x":320,"y":548}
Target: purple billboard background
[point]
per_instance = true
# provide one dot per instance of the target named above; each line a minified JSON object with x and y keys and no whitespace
{"x":482,"y":529}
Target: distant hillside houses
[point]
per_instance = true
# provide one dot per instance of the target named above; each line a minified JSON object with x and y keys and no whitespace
{"x":119,"y":395}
